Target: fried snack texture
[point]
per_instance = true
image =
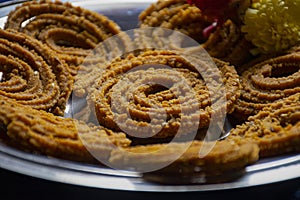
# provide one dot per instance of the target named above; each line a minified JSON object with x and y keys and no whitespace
{"x":228,"y":43}
{"x":158,"y":91}
{"x":226,"y":161}
{"x":32,"y":74}
{"x":148,"y":101}
{"x":176,"y":15}
{"x":266,"y":82}
{"x":276,"y":128}
{"x":45,"y":133}
{"x":72,"y":32}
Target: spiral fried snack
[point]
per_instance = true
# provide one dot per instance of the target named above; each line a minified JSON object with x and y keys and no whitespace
{"x":267,"y":82}
{"x":177,"y":15}
{"x":160,"y":92}
{"x":32,"y":74}
{"x":276,"y":128}
{"x":70,"y":31}
{"x":226,"y":161}
{"x":229,"y":44}
{"x":45,"y":133}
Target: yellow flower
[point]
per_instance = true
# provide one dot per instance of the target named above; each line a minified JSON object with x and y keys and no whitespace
{"x":272,"y":25}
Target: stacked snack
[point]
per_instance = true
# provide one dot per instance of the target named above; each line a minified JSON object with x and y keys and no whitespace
{"x":270,"y":26}
{"x":239,"y":30}
{"x":228,"y":43}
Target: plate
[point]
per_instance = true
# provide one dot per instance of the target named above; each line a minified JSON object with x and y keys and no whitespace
{"x":125,"y":13}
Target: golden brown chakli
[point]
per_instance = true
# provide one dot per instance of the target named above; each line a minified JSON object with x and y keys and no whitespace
{"x":228,"y":43}
{"x":160,"y":92}
{"x":176,"y":15}
{"x":267,"y":82}
{"x":72,"y":32}
{"x":42,"y":132}
{"x":276,"y":128}
{"x":32,"y":74}
{"x":226,"y":161}
{"x":150,"y":94}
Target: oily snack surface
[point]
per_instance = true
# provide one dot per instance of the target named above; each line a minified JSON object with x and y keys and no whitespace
{"x":32,"y":74}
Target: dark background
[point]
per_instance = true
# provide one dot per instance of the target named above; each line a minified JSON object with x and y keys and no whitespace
{"x":18,"y":186}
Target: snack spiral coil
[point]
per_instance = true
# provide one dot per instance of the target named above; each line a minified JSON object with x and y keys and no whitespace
{"x":32,"y":74}
{"x":275,"y":128}
{"x":267,"y":82}
{"x":176,"y":15}
{"x":228,"y":43}
{"x":152,"y":105}
{"x":163,"y":83}
{"x":72,"y":32}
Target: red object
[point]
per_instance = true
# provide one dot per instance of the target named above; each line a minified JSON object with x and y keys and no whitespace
{"x":219,"y":10}
{"x":208,"y":30}
{"x":213,"y":8}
